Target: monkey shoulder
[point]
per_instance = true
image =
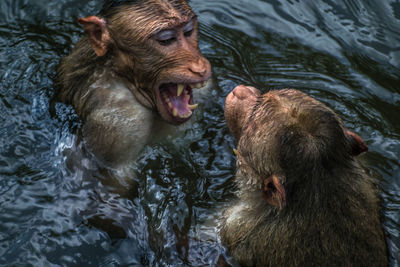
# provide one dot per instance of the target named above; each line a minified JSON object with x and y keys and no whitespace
{"x":234,"y":224}
{"x":234,"y":214}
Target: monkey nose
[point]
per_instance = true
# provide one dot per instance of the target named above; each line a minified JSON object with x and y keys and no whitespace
{"x":243,"y":92}
{"x":201,"y":67}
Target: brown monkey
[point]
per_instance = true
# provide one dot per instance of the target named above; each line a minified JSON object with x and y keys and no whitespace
{"x":304,"y":200}
{"x":138,"y":58}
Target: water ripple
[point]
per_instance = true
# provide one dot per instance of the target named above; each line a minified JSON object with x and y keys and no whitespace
{"x":57,"y":207}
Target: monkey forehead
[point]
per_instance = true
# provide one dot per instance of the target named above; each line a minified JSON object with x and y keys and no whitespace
{"x":151,"y":17}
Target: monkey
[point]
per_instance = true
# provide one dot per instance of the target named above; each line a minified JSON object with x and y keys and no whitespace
{"x":138,"y":65}
{"x":303,"y":199}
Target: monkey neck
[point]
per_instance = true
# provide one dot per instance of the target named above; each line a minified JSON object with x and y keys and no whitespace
{"x":345,"y":191}
{"x":77,"y":72}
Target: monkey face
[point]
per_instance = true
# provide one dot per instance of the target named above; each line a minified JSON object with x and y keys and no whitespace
{"x":254,"y":174}
{"x":159,"y":53}
{"x":154,"y":45}
{"x":187,"y":70}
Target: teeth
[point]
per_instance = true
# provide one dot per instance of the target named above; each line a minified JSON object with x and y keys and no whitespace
{"x":175,"y":112}
{"x":180,"y":89}
{"x":167,"y":100}
{"x":187,"y":115}
{"x":187,"y":97}
{"x":193,"y":107}
{"x":198,"y":85}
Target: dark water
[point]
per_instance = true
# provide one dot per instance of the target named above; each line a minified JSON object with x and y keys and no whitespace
{"x":345,"y":53}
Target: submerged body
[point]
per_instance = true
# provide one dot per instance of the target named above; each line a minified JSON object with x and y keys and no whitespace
{"x":138,"y":62}
{"x":303,"y":198}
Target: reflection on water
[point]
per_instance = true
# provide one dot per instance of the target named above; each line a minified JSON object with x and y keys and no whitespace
{"x":58,"y":209}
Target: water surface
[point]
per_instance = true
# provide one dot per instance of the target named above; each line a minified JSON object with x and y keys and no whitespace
{"x":55,"y":210}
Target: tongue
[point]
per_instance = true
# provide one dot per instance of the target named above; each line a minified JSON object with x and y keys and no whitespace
{"x":181,"y":103}
{"x":178,"y":102}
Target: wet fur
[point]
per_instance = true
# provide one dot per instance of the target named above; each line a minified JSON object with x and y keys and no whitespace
{"x":113,"y":94}
{"x":332,"y":213}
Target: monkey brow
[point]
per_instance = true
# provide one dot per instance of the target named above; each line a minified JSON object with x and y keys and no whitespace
{"x":114,"y":3}
{"x":171,"y":24}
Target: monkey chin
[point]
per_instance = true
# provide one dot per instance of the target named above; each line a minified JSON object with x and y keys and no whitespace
{"x":175,"y":101}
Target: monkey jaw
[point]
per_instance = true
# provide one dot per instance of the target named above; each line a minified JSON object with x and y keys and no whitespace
{"x":177,"y":101}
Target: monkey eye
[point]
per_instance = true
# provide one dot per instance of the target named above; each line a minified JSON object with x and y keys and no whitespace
{"x":188,"y":29}
{"x":166,"y":37}
{"x":167,"y":41}
{"x":188,"y":33}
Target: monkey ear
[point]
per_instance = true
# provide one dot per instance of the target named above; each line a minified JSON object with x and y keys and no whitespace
{"x":357,"y":144}
{"x":273,"y":192}
{"x":96,"y":29}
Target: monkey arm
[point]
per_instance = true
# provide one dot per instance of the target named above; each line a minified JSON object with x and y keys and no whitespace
{"x":116,"y":126}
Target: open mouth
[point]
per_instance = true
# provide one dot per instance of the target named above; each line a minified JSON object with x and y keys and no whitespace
{"x":178,"y":99}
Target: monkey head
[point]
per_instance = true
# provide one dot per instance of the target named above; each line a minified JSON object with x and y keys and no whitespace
{"x":282,"y":136}
{"x":153,"y":44}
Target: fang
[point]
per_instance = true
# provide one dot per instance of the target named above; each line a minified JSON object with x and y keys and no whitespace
{"x":180,"y":89}
{"x":193,"y":107}
{"x":175,"y":112}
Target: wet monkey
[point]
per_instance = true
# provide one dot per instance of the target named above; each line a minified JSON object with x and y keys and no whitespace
{"x":139,"y":62}
{"x":303,"y":198}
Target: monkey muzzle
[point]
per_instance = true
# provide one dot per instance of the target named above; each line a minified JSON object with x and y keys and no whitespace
{"x":178,"y":100}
